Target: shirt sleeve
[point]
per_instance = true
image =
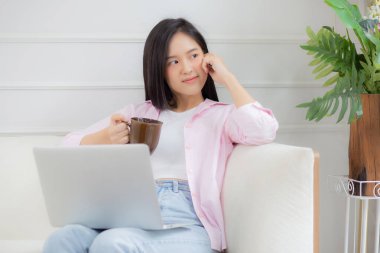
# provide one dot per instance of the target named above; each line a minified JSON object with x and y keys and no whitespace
{"x":74,"y":138}
{"x":251,"y":124}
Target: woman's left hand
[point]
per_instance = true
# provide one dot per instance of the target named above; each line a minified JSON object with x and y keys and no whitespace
{"x":214,"y":66}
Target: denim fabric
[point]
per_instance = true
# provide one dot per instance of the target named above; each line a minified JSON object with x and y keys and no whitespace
{"x":176,"y":207}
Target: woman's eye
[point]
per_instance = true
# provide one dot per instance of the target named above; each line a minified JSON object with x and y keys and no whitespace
{"x":172,"y":62}
{"x":194,"y":55}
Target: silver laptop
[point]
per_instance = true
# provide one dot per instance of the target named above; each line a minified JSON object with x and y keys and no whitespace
{"x":100,"y":186}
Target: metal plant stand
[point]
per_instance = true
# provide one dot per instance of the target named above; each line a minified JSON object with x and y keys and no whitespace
{"x":346,"y":186}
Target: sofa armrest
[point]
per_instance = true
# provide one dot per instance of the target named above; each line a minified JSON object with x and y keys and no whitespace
{"x":268,"y":199}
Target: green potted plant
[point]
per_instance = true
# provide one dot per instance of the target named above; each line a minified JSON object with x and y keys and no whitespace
{"x":354,"y":76}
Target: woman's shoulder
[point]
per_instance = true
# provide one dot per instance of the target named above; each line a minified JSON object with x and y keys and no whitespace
{"x":138,"y":106}
{"x":144,"y":105}
{"x":136,"y":109}
{"x":216,"y":105}
{"x":215,"y":108}
{"x":144,"y":109}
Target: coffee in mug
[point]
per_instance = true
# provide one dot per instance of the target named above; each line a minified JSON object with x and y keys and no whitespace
{"x":144,"y":130}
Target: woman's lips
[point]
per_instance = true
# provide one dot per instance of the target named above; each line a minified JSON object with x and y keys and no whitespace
{"x":190,"y":80}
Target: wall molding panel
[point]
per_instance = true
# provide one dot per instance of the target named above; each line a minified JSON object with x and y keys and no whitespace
{"x":284,"y":129}
{"x":14,"y":86}
{"x":138,"y":38}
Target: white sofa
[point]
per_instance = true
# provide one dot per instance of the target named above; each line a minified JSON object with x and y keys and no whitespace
{"x":270,"y":198}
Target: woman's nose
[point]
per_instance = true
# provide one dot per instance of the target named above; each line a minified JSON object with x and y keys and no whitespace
{"x":187,"y":67}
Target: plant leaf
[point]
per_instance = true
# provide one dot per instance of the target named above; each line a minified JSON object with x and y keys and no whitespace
{"x":315,"y":62}
{"x":350,"y":15}
{"x":320,"y":67}
{"x":331,"y":80}
{"x":303,"y":105}
{"x":343,"y":109}
{"x":325,"y":72}
{"x":351,"y":117}
{"x":310,"y":33}
{"x":336,"y":105}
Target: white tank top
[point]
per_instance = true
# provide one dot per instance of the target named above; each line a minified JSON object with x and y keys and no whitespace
{"x":168,"y":160}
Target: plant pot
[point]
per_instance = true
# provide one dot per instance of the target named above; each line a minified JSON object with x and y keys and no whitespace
{"x":364,"y":148}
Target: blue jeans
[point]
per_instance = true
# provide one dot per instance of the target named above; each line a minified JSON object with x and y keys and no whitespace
{"x":176,"y":207}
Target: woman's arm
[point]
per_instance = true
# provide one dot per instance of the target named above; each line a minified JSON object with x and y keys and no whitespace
{"x":116,"y":133}
{"x":239,"y":94}
{"x":213,"y":65}
{"x":107,"y":131}
{"x":100,"y":137}
{"x":249,"y":123}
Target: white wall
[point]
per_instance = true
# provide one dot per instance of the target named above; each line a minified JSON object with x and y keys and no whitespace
{"x":66,"y":64}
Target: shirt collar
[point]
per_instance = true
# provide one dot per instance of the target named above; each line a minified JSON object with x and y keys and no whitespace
{"x":207,"y":103}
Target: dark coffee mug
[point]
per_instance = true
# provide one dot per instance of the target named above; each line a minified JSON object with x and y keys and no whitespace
{"x":144,"y":130}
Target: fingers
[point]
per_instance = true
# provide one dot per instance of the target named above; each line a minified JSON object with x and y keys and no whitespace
{"x":122,"y":137}
{"x":211,"y":62}
{"x":117,"y":118}
{"x":206,"y":63}
{"x":124,"y":140}
{"x":121,"y":134}
{"x":118,"y":130}
{"x":119,"y":137}
{"x":120,"y":126}
{"x":214,"y":66}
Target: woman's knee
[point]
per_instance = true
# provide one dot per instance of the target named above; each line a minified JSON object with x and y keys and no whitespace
{"x":116,"y":241}
{"x":70,"y":239}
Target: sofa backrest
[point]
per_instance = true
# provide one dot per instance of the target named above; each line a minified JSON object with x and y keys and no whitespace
{"x":23,"y":213}
{"x":269,"y":202}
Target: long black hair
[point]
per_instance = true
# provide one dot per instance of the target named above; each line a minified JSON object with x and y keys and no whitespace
{"x":154,"y":62}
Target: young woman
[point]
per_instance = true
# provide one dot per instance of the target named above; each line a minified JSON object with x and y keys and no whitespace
{"x":197,"y":137}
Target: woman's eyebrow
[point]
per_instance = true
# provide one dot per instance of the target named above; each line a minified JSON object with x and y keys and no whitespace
{"x":188,"y":52}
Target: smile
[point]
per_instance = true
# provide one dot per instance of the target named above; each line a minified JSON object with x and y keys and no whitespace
{"x":190,"y":80}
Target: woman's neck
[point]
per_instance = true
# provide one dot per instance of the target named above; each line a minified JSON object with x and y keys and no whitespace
{"x":187,"y":104}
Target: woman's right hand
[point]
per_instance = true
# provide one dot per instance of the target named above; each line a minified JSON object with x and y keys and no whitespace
{"x":118,"y":131}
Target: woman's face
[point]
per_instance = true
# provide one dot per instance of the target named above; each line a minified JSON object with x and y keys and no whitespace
{"x":184,"y":73}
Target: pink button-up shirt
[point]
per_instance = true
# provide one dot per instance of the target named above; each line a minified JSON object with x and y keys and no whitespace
{"x":210,"y":136}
